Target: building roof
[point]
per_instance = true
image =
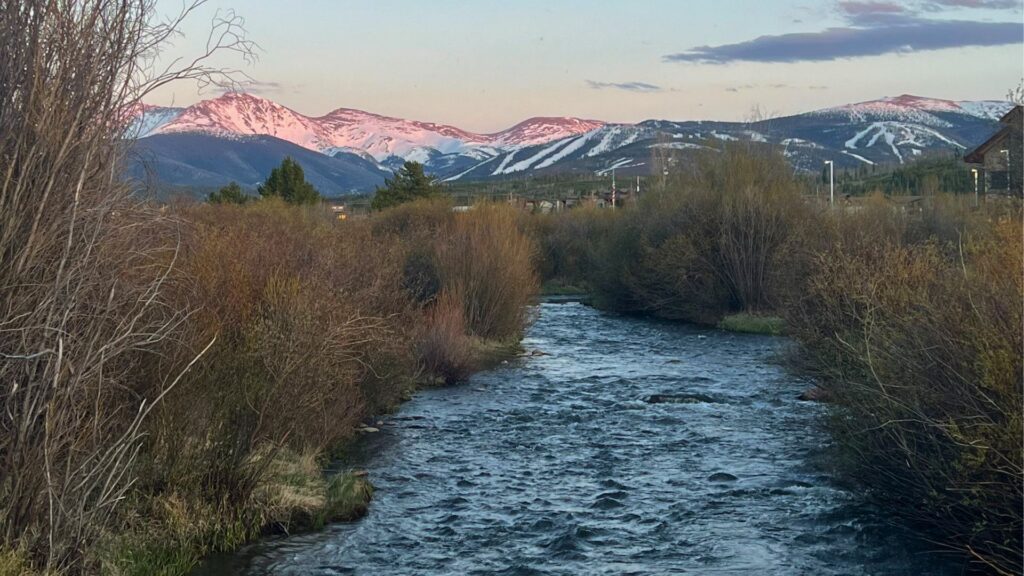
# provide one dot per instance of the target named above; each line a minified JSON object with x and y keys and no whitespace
{"x":1013,"y":116}
{"x":1010,"y":121}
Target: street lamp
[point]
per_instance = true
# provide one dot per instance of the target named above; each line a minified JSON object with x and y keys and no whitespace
{"x":974,"y":173}
{"x":831,"y":183}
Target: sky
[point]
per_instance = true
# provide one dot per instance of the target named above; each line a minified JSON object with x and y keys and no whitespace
{"x":484,"y":65}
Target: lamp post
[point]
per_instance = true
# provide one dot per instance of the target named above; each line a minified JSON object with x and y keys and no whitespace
{"x":613,"y":188}
{"x":1007,"y":153}
{"x":831,"y":183}
{"x":974,"y":173}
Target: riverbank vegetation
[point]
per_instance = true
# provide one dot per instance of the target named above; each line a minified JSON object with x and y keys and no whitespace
{"x":908,"y":317}
{"x":175,"y":377}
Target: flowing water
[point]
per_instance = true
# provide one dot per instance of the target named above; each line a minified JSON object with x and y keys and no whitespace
{"x":630,"y":447}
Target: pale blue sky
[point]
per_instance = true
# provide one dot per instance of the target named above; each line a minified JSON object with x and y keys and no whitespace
{"x":485,"y":64}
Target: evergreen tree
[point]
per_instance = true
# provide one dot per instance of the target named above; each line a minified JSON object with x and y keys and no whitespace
{"x":288,"y":182}
{"x":230,"y":194}
{"x":410,"y":183}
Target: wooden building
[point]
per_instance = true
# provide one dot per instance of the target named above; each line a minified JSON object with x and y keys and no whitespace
{"x":999,"y":159}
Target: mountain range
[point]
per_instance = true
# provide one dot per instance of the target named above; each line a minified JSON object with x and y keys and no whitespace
{"x":241,"y":137}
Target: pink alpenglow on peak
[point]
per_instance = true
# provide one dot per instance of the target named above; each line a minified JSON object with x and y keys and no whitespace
{"x":541,"y":130}
{"x":910,"y":108}
{"x":380,"y":136}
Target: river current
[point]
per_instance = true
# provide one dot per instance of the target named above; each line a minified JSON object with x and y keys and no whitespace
{"x":622,"y":446}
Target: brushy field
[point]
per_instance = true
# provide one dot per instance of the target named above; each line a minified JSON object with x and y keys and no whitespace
{"x":908,"y":317}
{"x":318,"y":325}
{"x":296,"y":328}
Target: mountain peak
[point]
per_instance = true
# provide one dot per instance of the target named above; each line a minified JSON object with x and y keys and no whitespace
{"x":909,"y":107}
{"x":541,"y":129}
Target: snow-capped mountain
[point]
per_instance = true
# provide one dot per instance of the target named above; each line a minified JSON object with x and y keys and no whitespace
{"x":909,"y":108}
{"x":148,"y":119}
{"x":883,"y":131}
{"x":541,"y":130}
{"x":380,"y":136}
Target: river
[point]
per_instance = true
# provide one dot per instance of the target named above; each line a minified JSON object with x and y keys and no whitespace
{"x":629,"y":447}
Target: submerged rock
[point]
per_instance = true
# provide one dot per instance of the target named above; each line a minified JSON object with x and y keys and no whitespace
{"x":680,"y":399}
{"x":722,"y":477}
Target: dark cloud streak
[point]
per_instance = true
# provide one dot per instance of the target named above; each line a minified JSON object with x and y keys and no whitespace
{"x":874,"y":35}
{"x":985,"y":4}
{"x":853,"y":7}
{"x":627,"y":86}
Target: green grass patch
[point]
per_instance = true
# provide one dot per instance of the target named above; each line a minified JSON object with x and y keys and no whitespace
{"x":15,"y":563}
{"x":753,"y":324}
{"x":176,"y":532}
{"x":348,"y":498}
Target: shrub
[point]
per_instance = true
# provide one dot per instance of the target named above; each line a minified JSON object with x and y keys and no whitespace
{"x":310,"y":318}
{"x":309,"y":314}
{"x":443,"y":346}
{"x":83,"y":274}
{"x":919,"y":345}
{"x":729,"y":237}
{"x":566,"y":252}
{"x":488,"y":262}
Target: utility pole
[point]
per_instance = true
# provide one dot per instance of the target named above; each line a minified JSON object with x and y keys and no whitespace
{"x":831,"y":183}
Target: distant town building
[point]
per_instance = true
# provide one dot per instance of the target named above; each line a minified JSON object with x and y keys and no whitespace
{"x":999,"y":159}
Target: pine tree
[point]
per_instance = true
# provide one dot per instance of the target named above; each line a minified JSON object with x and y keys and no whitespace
{"x":410,"y":183}
{"x":288,"y":182}
{"x":230,"y":194}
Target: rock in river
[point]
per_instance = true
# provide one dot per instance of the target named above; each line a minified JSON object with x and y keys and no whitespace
{"x":680,"y":399}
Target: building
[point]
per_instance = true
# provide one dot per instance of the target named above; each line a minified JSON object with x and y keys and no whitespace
{"x":998,"y":160}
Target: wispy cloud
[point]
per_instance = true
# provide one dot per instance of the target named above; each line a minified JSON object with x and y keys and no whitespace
{"x":871,"y":33}
{"x":987,"y":4}
{"x":744,"y":87}
{"x":853,"y":7}
{"x":627,"y":86}
{"x":257,"y":87}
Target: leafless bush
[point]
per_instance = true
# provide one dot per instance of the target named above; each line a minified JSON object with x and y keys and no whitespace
{"x":919,"y":344}
{"x":443,"y":345}
{"x":309,"y":314}
{"x":487,"y":260}
{"x":728,"y":236}
{"x":83,"y":268}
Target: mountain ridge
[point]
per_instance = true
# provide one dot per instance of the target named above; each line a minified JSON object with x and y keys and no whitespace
{"x":881,"y":131}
